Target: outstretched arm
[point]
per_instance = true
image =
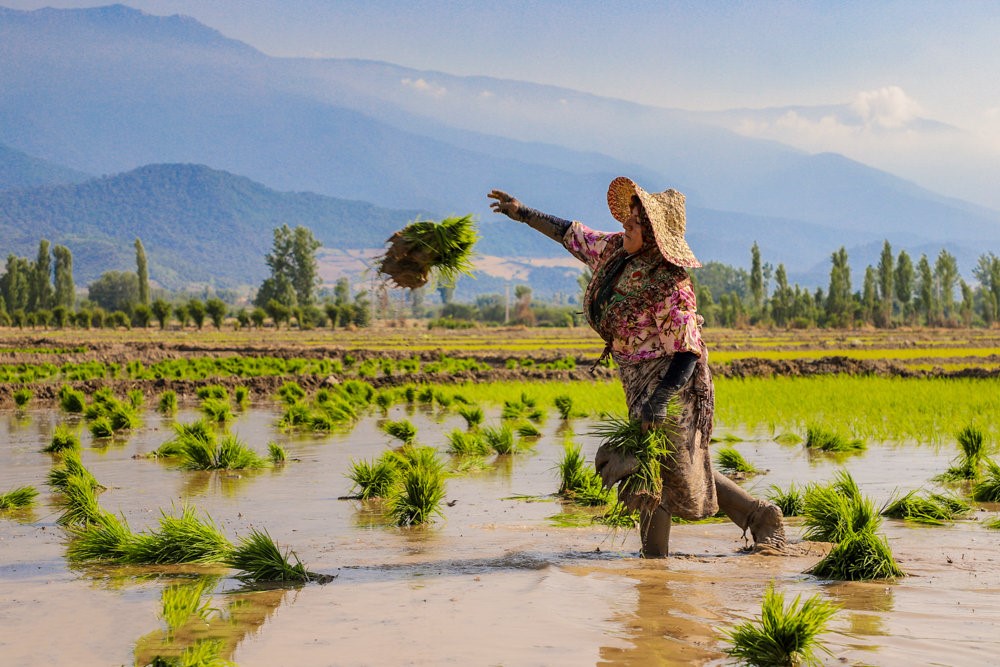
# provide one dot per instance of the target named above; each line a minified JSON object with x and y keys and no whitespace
{"x":553,"y":227}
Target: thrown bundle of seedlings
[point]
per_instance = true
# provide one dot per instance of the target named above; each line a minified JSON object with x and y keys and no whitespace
{"x":18,"y":498}
{"x":839,"y":513}
{"x":968,"y":465}
{"x":932,"y":508}
{"x":782,"y":635}
{"x":643,"y":488}
{"x":731,"y":462}
{"x":424,"y":247}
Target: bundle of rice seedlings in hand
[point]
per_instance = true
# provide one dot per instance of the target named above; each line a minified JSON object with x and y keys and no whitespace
{"x":730,"y":461}
{"x":21,"y":497}
{"x":63,"y":438}
{"x":782,"y":635}
{"x":425,"y":247}
{"x":643,"y":488}
{"x":933,"y":508}
{"x":261,"y":560}
{"x":791,"y":501}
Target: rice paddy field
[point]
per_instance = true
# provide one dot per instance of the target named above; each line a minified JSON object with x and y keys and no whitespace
{"x":506,"y":571}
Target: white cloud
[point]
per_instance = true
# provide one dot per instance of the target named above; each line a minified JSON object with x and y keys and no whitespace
{"x":422,"y":85}
{"x":889,"y":107}
{"x":486,"y":94}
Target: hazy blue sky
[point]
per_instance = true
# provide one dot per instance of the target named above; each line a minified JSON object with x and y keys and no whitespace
{"x":892,"y":60}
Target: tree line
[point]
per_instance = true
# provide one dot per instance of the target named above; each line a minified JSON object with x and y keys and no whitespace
{"x":895,"y":292}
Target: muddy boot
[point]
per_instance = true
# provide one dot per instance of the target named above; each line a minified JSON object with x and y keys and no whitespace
{"x":654,"y":528}
{"x":762,"y":518}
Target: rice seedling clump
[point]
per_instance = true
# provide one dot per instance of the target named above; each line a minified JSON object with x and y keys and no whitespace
{"x":790,"y":501}
{"x":932,"y":508}
{"x":987,"y":489}
{"x":730,"y":461}
{"x":423,"y":248}
{"x":467,"y":443}
{"x":18,"y":498}
{"x":261,"y":560}
{"x":22,"y":397}
{"x":783,"y":635}
{"x":500,"y":439}
{"x":472,"y":414}
{"x":579,"y":481}
{"x":403,"y":430}
{"x":831,"y":441}
{"x":168,"y":402}
{"x":972,"y":454}
{"x":63,"y":438}
{"x":417,"y":496}
{"x":651,"y":448}
{"x":374,"y":479}
{"x":72,"y":400}
{"x":229,"y":453}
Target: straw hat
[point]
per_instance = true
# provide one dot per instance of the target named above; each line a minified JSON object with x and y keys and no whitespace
{"x":665,"y":211}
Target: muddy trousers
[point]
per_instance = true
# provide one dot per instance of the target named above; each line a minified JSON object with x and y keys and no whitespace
{"x":735,"y":503}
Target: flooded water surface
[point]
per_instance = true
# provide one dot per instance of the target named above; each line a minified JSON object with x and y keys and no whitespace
{"x":500,"y":579}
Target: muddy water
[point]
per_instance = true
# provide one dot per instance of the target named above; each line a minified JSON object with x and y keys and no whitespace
{"x":497,"y":581}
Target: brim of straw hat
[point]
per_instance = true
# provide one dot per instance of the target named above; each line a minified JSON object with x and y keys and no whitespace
{"x":665,"y":211}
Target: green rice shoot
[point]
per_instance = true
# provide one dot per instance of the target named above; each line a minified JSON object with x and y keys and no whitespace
{"x":791,"y":501}
{"x":261,"y":560}
{"x":934,"y":508}
{"x":782,"y":635}
{"x":828,"y":440}
{"x":402,"y":430}
{"x":63,"y":438}
{"x":168,"y":402}
{"x":643,"y":488}
{"x":730,"y":461}
{"x":417,"y":496}
{"x":987,"y":489}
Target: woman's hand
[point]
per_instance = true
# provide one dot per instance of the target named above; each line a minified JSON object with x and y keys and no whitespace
{"x":613,"y":466}
{"x":505,"y":204}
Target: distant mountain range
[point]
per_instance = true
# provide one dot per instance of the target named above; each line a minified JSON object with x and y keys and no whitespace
{"x":170,"y":90}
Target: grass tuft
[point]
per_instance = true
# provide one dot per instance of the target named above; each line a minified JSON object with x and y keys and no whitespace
{"x":180,"y":539}
{"x":500,"y":439}
{"x":229,"y":453}
{"x":374,"y":479}
{"x":276,"y":453}
{"x":783,"y":635}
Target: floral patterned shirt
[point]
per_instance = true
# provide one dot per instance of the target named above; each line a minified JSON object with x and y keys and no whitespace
{"x":651,"y":312}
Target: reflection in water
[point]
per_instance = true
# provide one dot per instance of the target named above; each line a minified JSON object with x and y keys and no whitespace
{"x":228,"y":483}
{"x":866,"y":604}
{"x":370,"y":514}
{"x":197,"y":632}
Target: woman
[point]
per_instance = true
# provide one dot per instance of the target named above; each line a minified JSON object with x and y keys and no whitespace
{"x":641,"y":301}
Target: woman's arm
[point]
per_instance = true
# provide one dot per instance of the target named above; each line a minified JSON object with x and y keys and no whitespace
{"x":550,"y":225}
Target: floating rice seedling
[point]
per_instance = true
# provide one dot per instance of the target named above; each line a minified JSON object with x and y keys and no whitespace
{"x":374,"y":479}
{"x":791,"y":501}
{"x":972,"y":453}
{"x":123,"y":417}
{"x":500,"y":439}
{"x":788,"y":439}
{"x":168,"y":402}
{"x":72,"y":400}
{"x":276,"y":453}
{"x":63,"y":438}
{"x":402,"y":430}
{"x":860,"y":556}
{"x":730,"y":461}
{"x":624,"y":436}
{"x":528,"y":430}
{"x":472,"y":414}
{"x":229,"y":453}
{"x":217,"y":410}
{"x":200,"y":431}
{"x":296,"y":414}
{"x":783,"y":635}
{"x":18,"y":498}
{"x":426,"y":395}
{"x":107,"y":540}
{"x":826,"y":440}
{"x":465,"y":443}
{"x":564,"y":404}
{"x":385,"y":399}
{"x":417,"y":497}
{"x":833,"y":511}
{"x":425,"y":247}
{"x":262,"y":561}
{"x":987,"y":489}
{"x":22,"y":397}
{"x":932,"y":508}
{"x":992,"y":524}
{"x":291,"y":392}
{"x":101,"y":428}
{"x":442,"y":399}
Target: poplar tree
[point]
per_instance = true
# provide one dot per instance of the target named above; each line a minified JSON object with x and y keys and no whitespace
{"x":903,"y":282}
{"x":925,"y":289}
{"x":838,"y":299}
{"x":885,"y":284}
{"x":40,"y":295}
{"x":65,"y":289}
{"x":142,"y":271}
{"x":756,"y":277}
{"x":946,"y":276}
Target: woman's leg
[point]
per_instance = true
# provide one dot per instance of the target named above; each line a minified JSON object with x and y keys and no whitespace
{"x":655,"y":531}
{"x":763,"y":519}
